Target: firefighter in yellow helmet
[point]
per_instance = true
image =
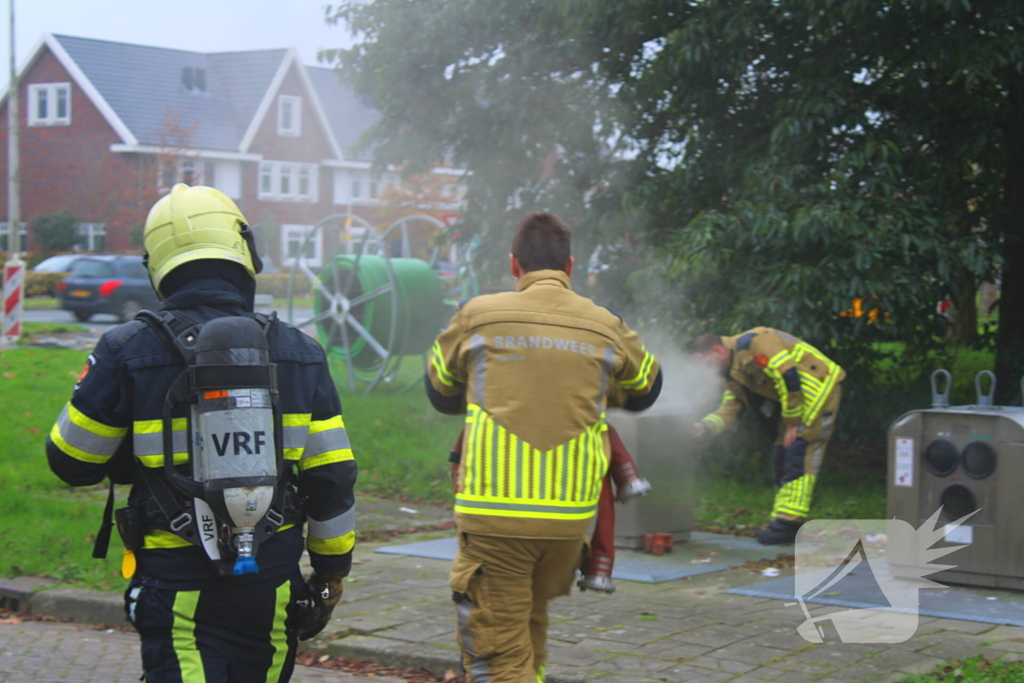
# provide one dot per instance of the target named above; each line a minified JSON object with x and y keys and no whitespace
{"x":795,"y":390}
{"x":530,"y":370}
{"x":206,"y":608}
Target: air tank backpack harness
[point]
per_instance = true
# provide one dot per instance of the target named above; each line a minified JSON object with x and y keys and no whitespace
{"x":237,"y":492}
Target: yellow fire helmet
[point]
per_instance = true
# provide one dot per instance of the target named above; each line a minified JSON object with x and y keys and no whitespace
{"x":193,"y":223}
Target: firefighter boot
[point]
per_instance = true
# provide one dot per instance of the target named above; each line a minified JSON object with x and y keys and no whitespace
{"x":778,"y":532}
{"x":597,"y":575}
{"x":597,"y":581}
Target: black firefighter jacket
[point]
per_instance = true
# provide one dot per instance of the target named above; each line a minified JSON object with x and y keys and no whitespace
{"x":115,"y":414}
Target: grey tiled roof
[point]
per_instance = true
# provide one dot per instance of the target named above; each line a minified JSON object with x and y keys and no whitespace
{"x":144,"y":87}
{"x":347,"y":114}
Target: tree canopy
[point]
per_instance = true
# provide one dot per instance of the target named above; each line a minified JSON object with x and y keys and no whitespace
{"x":772,"y":161}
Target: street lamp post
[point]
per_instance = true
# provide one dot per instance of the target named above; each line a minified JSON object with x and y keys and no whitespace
{"x":14,"y":268}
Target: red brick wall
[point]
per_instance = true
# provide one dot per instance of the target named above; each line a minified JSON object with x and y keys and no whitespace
{"x":71,"y":167}
{"x":311,"y":146}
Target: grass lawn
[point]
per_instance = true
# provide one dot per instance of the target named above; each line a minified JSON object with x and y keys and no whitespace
{"x":31,"y":329}
{"x":42,"y":302}
{"x":401,"y":445}
{"x":974,"y":670}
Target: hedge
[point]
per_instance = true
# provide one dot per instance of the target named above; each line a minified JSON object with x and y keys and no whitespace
{"x":277,"y":285}
{"x":42,"y":283}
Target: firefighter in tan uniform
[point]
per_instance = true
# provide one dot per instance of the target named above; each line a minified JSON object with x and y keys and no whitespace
{"x":530,"y":370}
{"x":786,"y":381}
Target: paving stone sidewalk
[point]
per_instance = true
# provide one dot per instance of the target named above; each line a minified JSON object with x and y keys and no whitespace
{"x":397,"y":611}
{"x":41,"y":652}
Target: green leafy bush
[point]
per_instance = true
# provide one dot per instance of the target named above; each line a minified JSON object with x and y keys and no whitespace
{"x":42,"y":283}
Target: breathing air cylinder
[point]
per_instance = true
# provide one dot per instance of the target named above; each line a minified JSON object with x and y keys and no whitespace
{"x":235,"y":439}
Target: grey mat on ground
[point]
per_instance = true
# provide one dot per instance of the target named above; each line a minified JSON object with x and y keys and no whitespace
{"x":859,"y":590}
{"x":702,"y":554}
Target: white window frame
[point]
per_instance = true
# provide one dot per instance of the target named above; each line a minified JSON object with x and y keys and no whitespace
{"x":90,"y":231}
{"x":295,"y":102}
{"x":294,"y":171}
{"x":178,"y":167}
{"x":290,"y":231}
{"x":51,"y":90}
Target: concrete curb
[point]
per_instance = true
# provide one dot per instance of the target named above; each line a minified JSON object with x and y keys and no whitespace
{"x":94,"y":607}
{"x":80,"y":605}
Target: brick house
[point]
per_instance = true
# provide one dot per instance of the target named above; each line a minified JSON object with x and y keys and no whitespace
{"x":107,"y":128}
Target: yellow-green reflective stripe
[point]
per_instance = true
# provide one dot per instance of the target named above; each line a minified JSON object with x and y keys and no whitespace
{"x":183,"y":636}
{"x":72,"y":451}
{"x":794,"y":497}
{"x":278,"y":634}
{"x":335,"y":422}
{"x":158,"y":460}
{"x":443,"y":375}
{"x":778,"y":359}
{"x":331,"y":546}
{"x":296,"y":419}
{"x":98,"y":428}
{"x":157,"y":426}
{"x":548,"y":510}
{"x":641,"y":378}
{"x":160,"y":538}
{"x":340,"y":455}
{"x":717,"y":423}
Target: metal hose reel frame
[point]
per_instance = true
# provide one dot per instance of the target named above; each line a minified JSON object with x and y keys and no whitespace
{"x":372,"y":349}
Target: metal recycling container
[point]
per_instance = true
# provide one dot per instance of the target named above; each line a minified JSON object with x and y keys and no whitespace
{"x":660,"y":439}
{"x":963,"y":459}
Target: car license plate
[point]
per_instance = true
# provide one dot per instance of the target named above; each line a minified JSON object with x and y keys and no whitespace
{"x":80,"y":292}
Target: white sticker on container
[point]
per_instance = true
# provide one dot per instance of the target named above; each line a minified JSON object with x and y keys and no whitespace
{"x":243,"y":402}
{"x":903,"y":473}
{"x":960,"y":534}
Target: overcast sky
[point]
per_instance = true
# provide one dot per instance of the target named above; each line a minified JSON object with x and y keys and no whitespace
{"x":200,"y":25}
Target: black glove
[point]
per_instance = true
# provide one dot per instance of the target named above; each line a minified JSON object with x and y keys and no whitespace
{"x":324,"y":593}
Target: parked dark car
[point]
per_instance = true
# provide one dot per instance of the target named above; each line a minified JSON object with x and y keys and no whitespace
{"x":107,"y":284}
{"x":61,"y":263}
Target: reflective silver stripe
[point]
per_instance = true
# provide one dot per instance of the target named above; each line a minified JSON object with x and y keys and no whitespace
{"x":519,"y":468}
{"x":83,"y":439}
{"x":583,"y":457}
{"x":522,"y":507}
{"x":478,"y":665}
{"x":543,"y":493}
{"x":153,"y":444}
{"x":334,"y":527}
{"x":607,"y":366}
{"x":322,"y":442}
{"x":819,"y":446}
{"x":564,"y":451}
{"x":478,"y":352}
{"x":295,"y":437}
{"x":493,"y":478}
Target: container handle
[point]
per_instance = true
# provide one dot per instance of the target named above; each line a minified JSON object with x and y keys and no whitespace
{"x":941,"y":399}
{"x":988,"y":399}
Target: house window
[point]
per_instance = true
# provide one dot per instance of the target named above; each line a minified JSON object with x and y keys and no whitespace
{"x":266,"y":180}
{"x":188,"y":172}
{"x":373,"y":189}
{"x":92,"y":236}
{"x":288,"y":181}
{"x":210,"y":174}
{"x":49,"y":104}
{"x":289,"y":115}
{"x":294,"y":245}
{"x":357,"y":187}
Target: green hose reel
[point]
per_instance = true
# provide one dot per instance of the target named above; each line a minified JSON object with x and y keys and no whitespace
{"x":372,"y":311}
